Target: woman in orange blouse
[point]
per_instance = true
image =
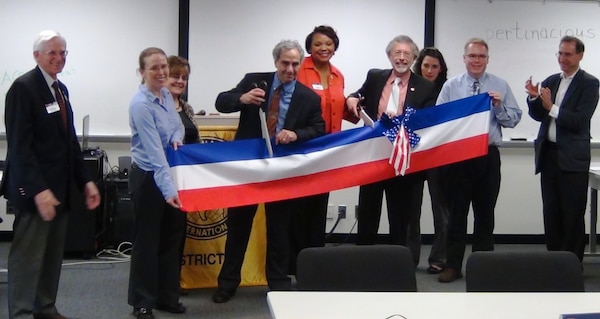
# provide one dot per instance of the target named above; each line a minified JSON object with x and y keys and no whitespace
{"x":321,"y":76}
{"x":316,"y":72}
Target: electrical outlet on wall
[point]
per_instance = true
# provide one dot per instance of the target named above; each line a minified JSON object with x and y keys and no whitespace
{"x":331,"y":213}
{"x":342,"y":211}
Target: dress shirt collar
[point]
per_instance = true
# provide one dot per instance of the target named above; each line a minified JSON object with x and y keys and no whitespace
{"x":570,"y":77}
{"x":286,"y":88}
{"x":48,"y":78}
{"x":164,"y":92}
{"x":404,"y":78}
{"x":309,"y":63}
{"x":482,"y":79}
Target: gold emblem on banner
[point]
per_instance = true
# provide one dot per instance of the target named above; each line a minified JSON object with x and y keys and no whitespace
{"x":207,"y":225}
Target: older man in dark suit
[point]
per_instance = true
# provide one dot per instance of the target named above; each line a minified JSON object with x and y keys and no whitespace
{"x":564,"y":106}
{"x":391,"y":91}
{"x":293,"y":115}
{"x":43,"y":160}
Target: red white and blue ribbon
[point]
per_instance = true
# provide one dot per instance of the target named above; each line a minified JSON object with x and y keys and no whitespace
{"x":217,"y":175}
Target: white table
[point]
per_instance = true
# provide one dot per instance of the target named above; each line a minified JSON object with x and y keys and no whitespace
{"x":428,"y":305}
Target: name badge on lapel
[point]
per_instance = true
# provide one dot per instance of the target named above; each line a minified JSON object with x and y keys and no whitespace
{"x":317,"y":86}
{"x":52,"y":108}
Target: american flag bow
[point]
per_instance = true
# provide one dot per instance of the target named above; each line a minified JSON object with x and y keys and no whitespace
{"x":403,"y":139}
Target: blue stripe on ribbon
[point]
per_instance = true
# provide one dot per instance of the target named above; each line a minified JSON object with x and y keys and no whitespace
{"x":251,"y":149}
{"x":450,"y":111}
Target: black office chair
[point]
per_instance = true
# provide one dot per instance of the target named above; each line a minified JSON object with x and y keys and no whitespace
{"x":536,"y":271}
{"x":356,"y":268}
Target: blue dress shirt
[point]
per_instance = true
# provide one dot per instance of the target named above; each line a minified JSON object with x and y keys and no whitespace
{"x":155,"y":125}
{"x":285,"y":96}
{"x":508,"y":115}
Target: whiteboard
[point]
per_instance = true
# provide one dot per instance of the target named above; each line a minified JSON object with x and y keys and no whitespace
{"x":230,"y":38}
{"x":523,"y":37}
{"x":104,"y":40}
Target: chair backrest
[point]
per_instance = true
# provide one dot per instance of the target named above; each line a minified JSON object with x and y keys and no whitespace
{"x":356,"y":268}
{"x":535,"y":271}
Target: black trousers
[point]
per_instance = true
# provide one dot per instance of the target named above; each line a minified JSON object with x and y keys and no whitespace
{"x":564,"y":197}
{"x":472,"y":182}
{"x":159,"y":230}
{"x":436,"y":182}
{"x":404,"y":196}
{"x":239,"y":224}
{"x":308,"y":225}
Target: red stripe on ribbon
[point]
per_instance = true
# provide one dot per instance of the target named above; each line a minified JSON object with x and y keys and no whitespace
{"x":245,"y":194}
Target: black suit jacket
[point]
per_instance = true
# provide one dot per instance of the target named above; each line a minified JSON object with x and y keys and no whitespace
{"x":41,"y":153}
{"x":420,"y":92}
{"x":573,"y":122}
{"x":303,"y":117}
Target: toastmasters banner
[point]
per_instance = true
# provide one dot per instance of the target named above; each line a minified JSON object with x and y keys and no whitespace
{"x":206,"y":234}
{"x":241,"y":172}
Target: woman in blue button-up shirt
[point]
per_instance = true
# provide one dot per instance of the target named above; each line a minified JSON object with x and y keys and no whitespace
{"x":159,"y":224}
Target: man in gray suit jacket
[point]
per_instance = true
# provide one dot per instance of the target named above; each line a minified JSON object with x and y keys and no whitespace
{"x":564,"y":106}
{"x":42,"y":162}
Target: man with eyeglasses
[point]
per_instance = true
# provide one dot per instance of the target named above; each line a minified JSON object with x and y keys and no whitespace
{"x":564,"y":107}
{"x":42,"y":162}
{"x":390,"y":91}
{"x":476,"y":181}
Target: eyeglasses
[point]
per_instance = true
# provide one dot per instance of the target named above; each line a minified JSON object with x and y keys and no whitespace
{"x":564,"y":54}
{"x":55,"y":54}
{"x":157,"y":68}
{"x":400,"y":54}
{"x":175,"y":76}
{"x":477,"y":56}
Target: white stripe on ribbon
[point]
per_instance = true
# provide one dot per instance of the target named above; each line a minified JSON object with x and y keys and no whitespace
{"x":435,"y":136}
{"x":260,"y":170}
{"x":452,"y":131}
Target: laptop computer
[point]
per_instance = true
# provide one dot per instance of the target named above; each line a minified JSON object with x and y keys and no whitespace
{"x":85,"y":134}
